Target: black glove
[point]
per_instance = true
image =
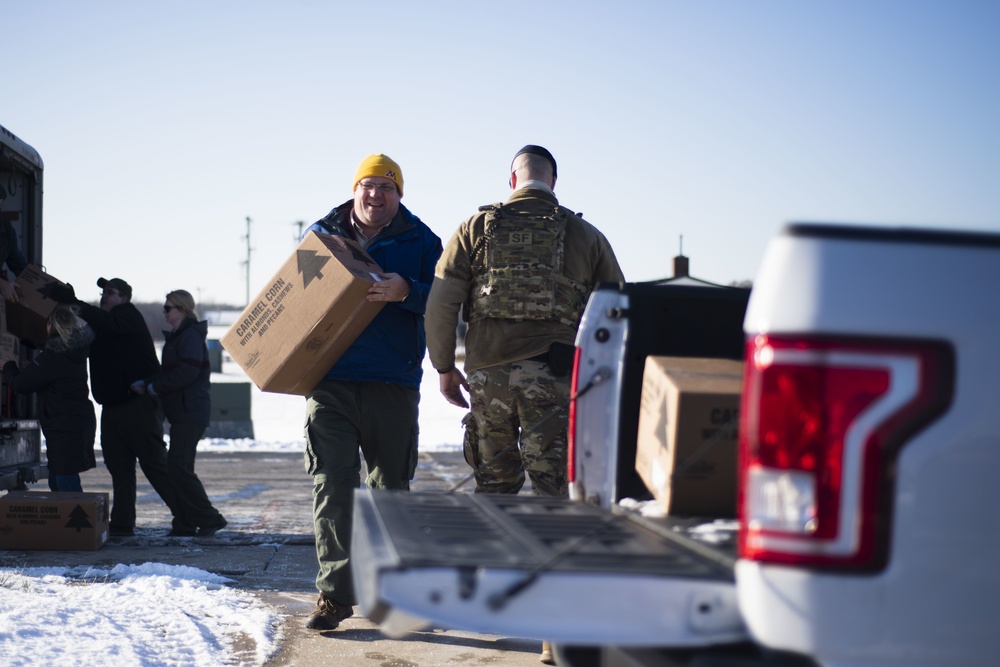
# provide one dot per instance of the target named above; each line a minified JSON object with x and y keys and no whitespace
{"x":59,"y":292}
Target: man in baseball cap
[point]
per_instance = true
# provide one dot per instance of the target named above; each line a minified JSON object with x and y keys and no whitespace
{"x":116,"y":284}
{"x":131,"y":426}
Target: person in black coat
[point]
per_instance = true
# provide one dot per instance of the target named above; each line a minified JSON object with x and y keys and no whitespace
{"x":131,"y":424}
{"x":59,"y":376}
{"x":183,"y":386}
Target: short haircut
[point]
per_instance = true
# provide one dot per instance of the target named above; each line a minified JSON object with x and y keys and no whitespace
{"x":535,"y":167}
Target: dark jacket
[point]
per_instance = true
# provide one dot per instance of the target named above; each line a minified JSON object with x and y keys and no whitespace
{"x":184,"y":381}
{"x":391,"y":348}
{"x":59,"y":376}
{"x":122,"y":351}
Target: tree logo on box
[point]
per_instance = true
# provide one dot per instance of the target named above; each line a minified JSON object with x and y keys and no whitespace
{"x":79,"y":519}
{"x":310,"y":265}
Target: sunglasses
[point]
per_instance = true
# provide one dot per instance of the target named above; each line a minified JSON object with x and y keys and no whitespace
{"x":167,"y":308}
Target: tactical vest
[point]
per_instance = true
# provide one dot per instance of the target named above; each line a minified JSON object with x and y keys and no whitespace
{"x":518,"y":269}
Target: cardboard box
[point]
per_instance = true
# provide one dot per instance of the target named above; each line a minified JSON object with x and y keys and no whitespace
{"x":686,"y":449}
{"x":307,"y":316}
{"x":27,"y":319}
{"x":53,"y":521}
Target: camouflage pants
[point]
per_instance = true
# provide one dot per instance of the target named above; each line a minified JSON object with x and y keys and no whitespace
{"x":518,"y":424}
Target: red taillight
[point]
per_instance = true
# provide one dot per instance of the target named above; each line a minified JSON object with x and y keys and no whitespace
{"x":822,"y":422}
{"x":571,"y":435}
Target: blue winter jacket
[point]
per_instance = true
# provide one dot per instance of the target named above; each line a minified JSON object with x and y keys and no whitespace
{"x":391,"y":348}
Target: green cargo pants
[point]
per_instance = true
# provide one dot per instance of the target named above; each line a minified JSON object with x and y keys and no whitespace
{"x":345,"y":420}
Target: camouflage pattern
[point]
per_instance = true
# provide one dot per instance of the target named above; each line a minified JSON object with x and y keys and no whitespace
{"x":518,"y":424}
{"x":587,"y":260}
{"x":519,"y":272}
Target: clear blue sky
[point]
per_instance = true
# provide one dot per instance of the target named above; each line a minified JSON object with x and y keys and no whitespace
{"x":164,"y":125}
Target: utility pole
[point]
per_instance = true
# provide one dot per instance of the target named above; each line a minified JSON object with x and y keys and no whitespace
{"x":247,"y":261}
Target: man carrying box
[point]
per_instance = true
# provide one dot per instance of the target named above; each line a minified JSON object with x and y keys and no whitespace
{"x":368,"y":400}
{"x":131,"y":424}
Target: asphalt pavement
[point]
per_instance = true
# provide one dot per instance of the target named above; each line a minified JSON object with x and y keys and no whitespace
{"x":268,"y":549}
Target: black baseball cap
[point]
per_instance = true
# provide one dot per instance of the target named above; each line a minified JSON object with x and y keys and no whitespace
{"x":117,"y":284}
{"x":541,"y":152}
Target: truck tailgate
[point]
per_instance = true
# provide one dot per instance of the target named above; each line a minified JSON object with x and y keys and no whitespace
{"x":535,"y":567}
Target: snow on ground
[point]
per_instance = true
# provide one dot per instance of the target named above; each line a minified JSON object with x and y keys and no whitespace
{"x":150,"y":614}
{"x":157,"y":614}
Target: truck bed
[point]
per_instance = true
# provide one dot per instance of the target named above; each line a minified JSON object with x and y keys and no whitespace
{"x":543,"y":568}
{"x":622,"y":326}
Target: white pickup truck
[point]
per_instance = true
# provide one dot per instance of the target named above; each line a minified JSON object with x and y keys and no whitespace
{"x":869,"y":478}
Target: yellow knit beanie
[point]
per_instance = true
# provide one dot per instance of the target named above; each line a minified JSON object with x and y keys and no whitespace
{"x":380,"y":165}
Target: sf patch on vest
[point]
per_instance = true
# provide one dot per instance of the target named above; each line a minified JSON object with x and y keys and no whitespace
{"x":519,"y":269}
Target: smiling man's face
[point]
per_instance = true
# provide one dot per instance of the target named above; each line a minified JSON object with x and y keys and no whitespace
{"x":376,"y":201}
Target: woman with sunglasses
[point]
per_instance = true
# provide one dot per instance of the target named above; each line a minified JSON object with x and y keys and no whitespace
{"x":183,"y":386}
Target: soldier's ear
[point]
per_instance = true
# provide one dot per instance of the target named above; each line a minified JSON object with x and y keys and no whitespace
{"x":512,"y":181}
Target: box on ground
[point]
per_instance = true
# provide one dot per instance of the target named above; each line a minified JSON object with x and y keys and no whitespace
{"x":308,"y":315}
{"x":27,"y":318}
{"x":53,"y":521}
{"x":686,"y":449}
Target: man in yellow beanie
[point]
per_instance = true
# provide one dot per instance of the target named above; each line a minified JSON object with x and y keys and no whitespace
{"x":368,"y":400}
{"x":380,"y":166}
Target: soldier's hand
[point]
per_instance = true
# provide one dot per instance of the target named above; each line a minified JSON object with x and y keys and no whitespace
{"x":452,"y":384}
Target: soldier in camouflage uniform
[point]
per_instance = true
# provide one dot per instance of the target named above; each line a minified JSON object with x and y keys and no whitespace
{"x":521,"y":272}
